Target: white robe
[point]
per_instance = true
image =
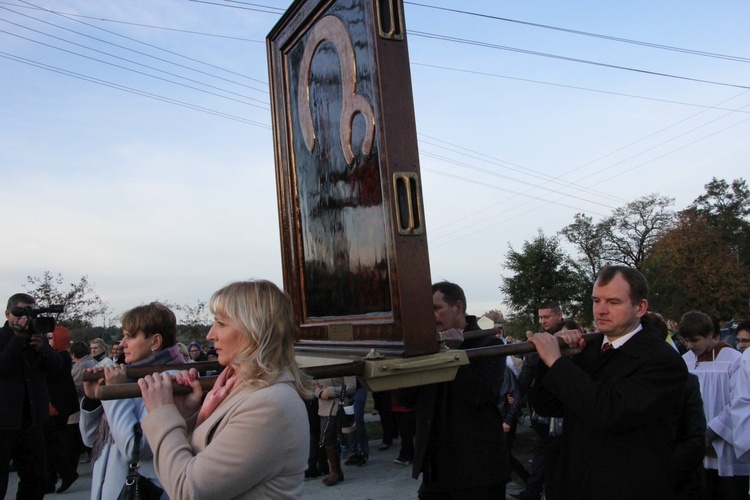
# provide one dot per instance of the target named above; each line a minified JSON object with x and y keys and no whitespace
{"x":714,"y":377}
{"x":733,"y":423}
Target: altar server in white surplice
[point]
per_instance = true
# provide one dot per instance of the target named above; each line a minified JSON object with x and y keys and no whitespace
{"x":715,"y":363}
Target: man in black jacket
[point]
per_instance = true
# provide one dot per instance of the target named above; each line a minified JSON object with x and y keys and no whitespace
{"x":460,"y":446}
{"x":621,"y":398}
{"x":25,"y":360}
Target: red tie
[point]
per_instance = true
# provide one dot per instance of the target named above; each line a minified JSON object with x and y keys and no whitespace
{"x":606,"y":347}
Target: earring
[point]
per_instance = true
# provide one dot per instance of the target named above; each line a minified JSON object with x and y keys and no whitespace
{"x":153,"y":348}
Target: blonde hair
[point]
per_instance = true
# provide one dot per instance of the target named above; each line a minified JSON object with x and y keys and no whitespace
{"x":100,"y":342}
{"x":264,"y":315}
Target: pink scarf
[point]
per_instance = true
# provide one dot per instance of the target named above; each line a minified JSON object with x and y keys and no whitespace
{"x":228,"y":380}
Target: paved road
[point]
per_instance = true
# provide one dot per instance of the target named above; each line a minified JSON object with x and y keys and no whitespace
{"x":380,"y":479}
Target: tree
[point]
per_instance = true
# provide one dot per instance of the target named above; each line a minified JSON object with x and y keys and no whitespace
{"x":588,"y":240}
{"x":495,"y":315}
{"x":195,"y":321}
{"x":542,"y":271}
{"x":80,"y":301}
{"x":692,"y":266}
{"x":727,"y":208}
{"x":630,"y":232}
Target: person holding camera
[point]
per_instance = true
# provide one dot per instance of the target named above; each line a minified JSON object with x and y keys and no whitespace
{"x":25,"y":361}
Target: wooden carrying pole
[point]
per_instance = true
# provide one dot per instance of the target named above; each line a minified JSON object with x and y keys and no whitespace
{"x":350,"y":368}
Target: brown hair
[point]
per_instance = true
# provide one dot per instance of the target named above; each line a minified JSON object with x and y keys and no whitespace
{"x":150,"y":319}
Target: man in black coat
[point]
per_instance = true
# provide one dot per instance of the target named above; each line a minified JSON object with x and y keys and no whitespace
{"x":25,"y":360}
{"x":621,"y":398}
{"x":460,"y":446}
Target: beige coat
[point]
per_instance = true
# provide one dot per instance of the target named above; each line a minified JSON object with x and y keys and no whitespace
{"x":254,"y":445}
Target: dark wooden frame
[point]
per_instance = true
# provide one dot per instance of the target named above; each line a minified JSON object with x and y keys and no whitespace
{"x":381,"y":120}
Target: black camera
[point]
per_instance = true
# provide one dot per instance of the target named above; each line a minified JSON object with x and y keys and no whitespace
{"x":37,"y":323}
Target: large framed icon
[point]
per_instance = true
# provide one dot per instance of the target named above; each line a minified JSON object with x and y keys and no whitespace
{"x":354,"y":246}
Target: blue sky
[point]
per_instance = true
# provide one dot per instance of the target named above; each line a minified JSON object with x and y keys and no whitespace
{"x":160,"y":200}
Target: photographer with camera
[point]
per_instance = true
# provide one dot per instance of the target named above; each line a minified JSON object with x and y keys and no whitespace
{"x":25,"y":361}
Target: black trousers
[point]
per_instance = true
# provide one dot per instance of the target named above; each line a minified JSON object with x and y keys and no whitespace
{"x":26,"y":447}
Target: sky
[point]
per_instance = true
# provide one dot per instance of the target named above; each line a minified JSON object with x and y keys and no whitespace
{"x":136,"y":145}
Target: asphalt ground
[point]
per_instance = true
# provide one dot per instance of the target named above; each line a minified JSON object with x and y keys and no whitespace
{"x":381,"y":478}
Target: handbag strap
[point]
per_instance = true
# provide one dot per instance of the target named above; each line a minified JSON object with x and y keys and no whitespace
{"x":343,"y":392}
{"x":137,"y":432}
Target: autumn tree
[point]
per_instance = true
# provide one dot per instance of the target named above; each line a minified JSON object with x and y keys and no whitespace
{"x":80,"y":300}
{"x":690,"y":267}
{"x":541,"y":271}
{"x":703,"y":262}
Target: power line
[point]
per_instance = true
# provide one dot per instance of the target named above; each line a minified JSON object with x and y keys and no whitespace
{"x":589,"y":34}
{"x":154,"y":47}
{"x":132,"y":90}
{"x":574,"y":87}
{"x":466,"y":41}
{"x":123,"y":59}
{"x":130,"y":69}
{"x":140,"y":25}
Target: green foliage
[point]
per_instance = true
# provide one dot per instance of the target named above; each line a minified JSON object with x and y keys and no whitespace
{"x":542,"y":271}
{"x":588,"y":239}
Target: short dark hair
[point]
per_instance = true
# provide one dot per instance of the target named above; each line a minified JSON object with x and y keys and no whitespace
{"x":79,"y":349}
{"x":656,"y":321}
{"x":569,"y":324}
{"x":634,"y":278}
{"x":550,"y":304}
{"x":18,"y":298}
{"x":695,"y":324}
{"x":452,"y":293}
{"x":150,"y":319}
{"x":745,"y":325}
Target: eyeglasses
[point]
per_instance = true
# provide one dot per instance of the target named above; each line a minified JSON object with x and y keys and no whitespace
{"x":743,"y":341}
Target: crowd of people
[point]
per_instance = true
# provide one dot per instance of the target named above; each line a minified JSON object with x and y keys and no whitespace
{"x":642,"y":409}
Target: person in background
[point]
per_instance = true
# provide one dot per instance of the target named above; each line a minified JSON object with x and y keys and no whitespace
{"x":460,"y":448}
{"x":196,"y":352}
{"x":690,"y":438}
{"x":25,"y":361}
{"x":743,"y":336}
{"x":99,"y":351}
{"x":732,"y":426}
{"x":149,"y":338}
{"x":406,"y":419}
{"x":63,"y":403}
{"x":358,"y":442}
{"x":328,"y":391}
{"x":184,"y":352}
{"x":247,"y":439}
{"x":712,"y":362}
{"x":116,"y":353}
{"x":82,"y":359}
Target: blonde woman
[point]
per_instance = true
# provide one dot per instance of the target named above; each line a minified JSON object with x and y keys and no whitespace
{"x":249,"y":438}
{"x":100,"y":352}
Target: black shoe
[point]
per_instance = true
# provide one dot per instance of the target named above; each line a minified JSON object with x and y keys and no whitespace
{"x":67,"y":482}
{"x":363,"y":459}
